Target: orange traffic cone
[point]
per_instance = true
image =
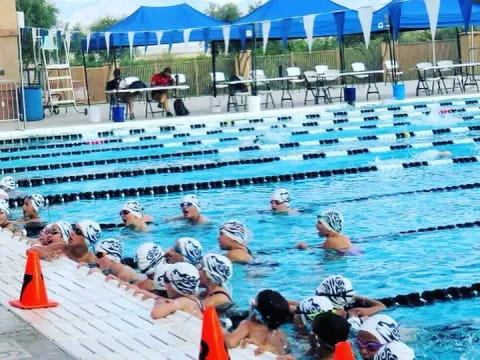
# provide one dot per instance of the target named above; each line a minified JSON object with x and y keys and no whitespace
{"x":33,"y":294}
{"x":343,"y":351}
{"x":212,"y":346}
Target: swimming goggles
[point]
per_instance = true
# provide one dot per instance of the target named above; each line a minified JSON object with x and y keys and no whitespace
{"x":124,"y":212}
{"x":186,"y":204}
{"x":371,"y":346}
{"x":77,"y":230}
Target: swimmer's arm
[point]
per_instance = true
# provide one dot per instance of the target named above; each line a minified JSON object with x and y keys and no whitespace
{"x":164,"y":307}
{"x":292,"y":305}
{"x":127,"y":274}
{"x":49,"y":252}
{"x":374,"y":306}
{"x":173,"y":218}
{"x":234,"y":338}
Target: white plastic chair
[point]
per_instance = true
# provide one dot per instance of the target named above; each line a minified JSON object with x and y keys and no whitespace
{"x":320,"y":69}
{"x":450,"y":73}
{"x":263,"y":87}
{"x":358,"y":67}
{"x":295,"y":74}
{"x":392,"y":67}
{"x":427,"y":78}
{"x":311,"y":85}
{"x":331,"y":77}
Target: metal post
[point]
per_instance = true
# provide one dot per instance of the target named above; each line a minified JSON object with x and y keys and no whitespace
{"x":22,"y":85}
{"x":214,"y":70}
{"x":254,"y":64}
{"x":86,"y":77}
{"x":459,"y":45}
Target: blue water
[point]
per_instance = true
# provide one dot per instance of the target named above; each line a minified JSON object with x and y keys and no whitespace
{"x":391,"y":264}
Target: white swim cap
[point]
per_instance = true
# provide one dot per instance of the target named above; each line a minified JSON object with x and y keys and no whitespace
{"x":331,"y":219}
{"x":236,"y":231}
{"x":4,"y":195}
{"x":134,"y":207}
{"x":192,"y":199}
{"x":190,"y":249}
{"x":159,"y":277}
{"x":4,"y":207}
{"x":149,"y":255}
{"x":395,"y":350}
{"x":183,"y":277}
{"x":65,"y":229}
{"x":37,"y":201}
{"x":281,"y":195}
{"x":338,"y":289}
{"x":91,"y":232}
{"x":313,"y":306}
{"x":218,"y":268}
{"x":111,"y":247}
{"x":383,"y":327}
{"x":8,"y":183}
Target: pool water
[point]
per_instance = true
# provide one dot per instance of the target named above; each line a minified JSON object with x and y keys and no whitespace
{"x":377,"y":205}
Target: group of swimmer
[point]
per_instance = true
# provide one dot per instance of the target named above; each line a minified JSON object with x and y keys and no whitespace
{"x":332,"y":314}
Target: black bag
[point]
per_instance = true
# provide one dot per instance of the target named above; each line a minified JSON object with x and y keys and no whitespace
{"x":112,"y":84}
{"x":179,"y":107}
{"x":241,"y":87}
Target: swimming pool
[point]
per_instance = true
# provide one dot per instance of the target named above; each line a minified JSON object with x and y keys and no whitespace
{"x":374,"y":164}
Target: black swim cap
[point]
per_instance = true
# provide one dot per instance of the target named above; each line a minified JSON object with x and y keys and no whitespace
{"x":273,"y":307}
{"x":330,"y":329}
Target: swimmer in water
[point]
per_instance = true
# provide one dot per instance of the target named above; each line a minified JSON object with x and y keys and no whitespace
{"x":280,"y":202}
{"x":191,"y":208}
{"x":377,"y":331}
{"x":186,"y":249}
{"x":395,"y":350}
{"x":429,"y":155}
{"x":132,"y":216}
{"x":8,"y":184}
{"x":329,"y":225}
{"x":268,"y":312}
{"x":233,"y":237}
{"x":307,"y":310}
{"x":4,"y":214}
{"x":31,"y":221}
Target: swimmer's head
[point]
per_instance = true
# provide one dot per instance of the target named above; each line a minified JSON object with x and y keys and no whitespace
{"x":312,"y":306}
{"x":272,"y":308}
{"x":332,"y":220}
{"x":190,"y":206}
{"x":233,"y":230}
{"x":131,"y":207}
{"x":338,"y":290}
{"x":149,"y":255}
{"x":159,"y":276}
{"x":4,"y":195}
{"x":65,"y":229}
{"x":186,"y":249}
{"x":4,"y":207}
{"x":182,"y":278}
{"x":395,"y":350}
{"x":32,"y":204}
{"x":217,"y":268}
{"x":280,"y":200}
{"x":87,"y":230}
{"x":328,"y":329}
{"x":382,"y":327}
{"x":110,"y":248}
{"x":8,"y":183}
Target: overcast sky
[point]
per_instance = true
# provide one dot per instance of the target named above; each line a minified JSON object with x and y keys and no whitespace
{"x":85,"y":12}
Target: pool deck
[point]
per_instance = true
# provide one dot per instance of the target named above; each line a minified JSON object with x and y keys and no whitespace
{"x":199,"y":108}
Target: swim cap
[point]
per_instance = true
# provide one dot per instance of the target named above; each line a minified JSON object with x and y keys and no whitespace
{"x":65,"y":229}
{"x":134,"y":207}
{"x":4,"y":207}
{"x":37,"y":201}
{"x":329,"y":329}
{"x":395,"y":350}
{"x":112,"y":247}
{"x":4,"y":195}
{"x":273,"y":308}
{"x":148,"y":256}
{"x":183,"y":277}
{"x":159,"y":277}
{"x":190,"y":249}
{"x":338,"y":289}
{"x":332,"y":219}
{"x":383,"y":327}
{"x":312,"y":306}
{"x":8,"y":183}
{"x":281,"y":195}
{"x":218,"y":268}
{"x":236,"y":231}
{"x":91,"y":232}
{"x":192,"y":199}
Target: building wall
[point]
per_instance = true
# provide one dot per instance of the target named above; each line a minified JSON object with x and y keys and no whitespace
{"x":8,"y":41}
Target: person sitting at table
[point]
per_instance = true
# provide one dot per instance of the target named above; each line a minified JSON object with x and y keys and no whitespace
{"x":130,"y":82}
{"x":163,"y":78}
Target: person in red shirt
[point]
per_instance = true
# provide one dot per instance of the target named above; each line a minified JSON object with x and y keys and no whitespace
{"x":162,"y":79}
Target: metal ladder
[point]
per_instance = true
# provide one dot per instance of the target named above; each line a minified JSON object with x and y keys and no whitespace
{"x":58,"y":82}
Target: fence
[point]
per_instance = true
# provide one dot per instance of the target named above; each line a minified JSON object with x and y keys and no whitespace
{"x":8,"y":101}
{"x":197,"y":71}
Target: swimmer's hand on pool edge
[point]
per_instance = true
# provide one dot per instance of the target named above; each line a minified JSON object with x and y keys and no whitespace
{"x":286,"y":357}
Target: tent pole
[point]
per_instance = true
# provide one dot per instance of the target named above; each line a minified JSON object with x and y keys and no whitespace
{"x":254,"y":62}
{"x":459,"y":45}
{"x":214,"y":70}
{"x":86,"y":77}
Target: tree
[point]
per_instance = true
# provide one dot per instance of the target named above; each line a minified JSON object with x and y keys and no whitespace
{"x":103,"y":23}
{"x":228,"y":12}
{"x":38,"y":13}
{"x":256,"y":5}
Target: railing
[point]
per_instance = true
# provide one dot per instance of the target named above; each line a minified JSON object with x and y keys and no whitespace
{"x":9,"y":109}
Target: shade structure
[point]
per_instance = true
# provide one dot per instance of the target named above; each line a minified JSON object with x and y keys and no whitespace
{"x":153,"y":25}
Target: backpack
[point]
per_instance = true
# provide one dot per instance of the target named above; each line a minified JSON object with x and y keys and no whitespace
{"x":179,"y":107}
{"x":241,"y":87}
